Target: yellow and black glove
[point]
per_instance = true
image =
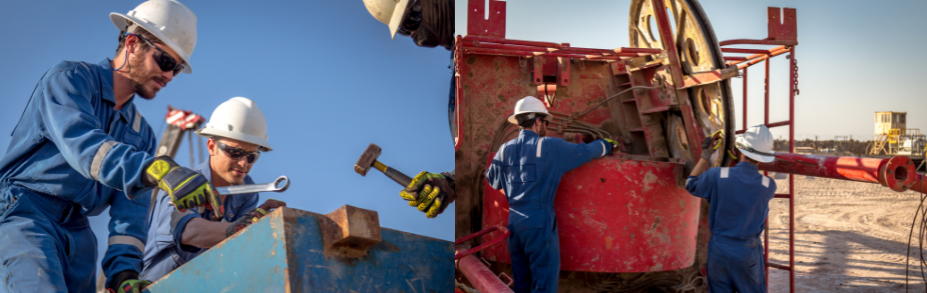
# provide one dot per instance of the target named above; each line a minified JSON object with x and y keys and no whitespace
{"x":711,"y":144}
{"x":128,"y":283}
{"x":188,"y":189}
{"x":615,"y":144}
{"x":430,"y":192}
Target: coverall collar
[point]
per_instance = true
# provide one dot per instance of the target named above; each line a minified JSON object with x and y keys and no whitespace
{"x":106,"y":81}
{"x":527,"y":133}
{"x":748,"y":165}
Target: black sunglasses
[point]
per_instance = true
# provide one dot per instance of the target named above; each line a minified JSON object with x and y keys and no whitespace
{"x":164,"y":60}
{"x":237,"y":153}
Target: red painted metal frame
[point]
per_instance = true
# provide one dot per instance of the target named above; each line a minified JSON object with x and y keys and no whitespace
{"x":788,"y":41}
{"x":486,"y":244}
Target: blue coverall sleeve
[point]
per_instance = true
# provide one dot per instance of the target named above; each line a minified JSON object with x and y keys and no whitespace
{"x":572,"y":155}
{"x":703,"y":185}
{"x":494,"y":173}
{"x":128,"y":231}
{"x":128,"y":228}
{"x":67,"y":113}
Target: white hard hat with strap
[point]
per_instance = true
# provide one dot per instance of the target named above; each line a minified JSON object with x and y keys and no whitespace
{"x":239,"y":119}
{"x":756,"y":143}
{"x":529,"y":104}
{"x":169,"y":20}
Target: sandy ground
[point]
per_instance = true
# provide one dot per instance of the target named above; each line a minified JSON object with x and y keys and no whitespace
{"x":849,"y":237}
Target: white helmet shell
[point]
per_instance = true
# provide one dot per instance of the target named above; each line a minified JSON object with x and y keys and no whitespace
{"x":239,"y":119}
{"x":529,"y":104}
{"x":169,"y":20}
{"x":389,"y":12}
{"x":757,"y":143}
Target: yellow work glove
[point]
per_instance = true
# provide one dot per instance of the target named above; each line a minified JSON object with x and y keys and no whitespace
{"x":188,"y":189}
{"x":615,"y":144}
{"x":431,"y":193}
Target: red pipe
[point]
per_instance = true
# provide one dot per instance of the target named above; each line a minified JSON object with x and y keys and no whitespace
{"x":896,"y":172}
{"x":482,"y":279}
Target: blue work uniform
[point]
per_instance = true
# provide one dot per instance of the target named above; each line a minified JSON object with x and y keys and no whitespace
{"x":164,"y":250}
{"x":528,"y":168}
{"x":71,"y":156}
{"x":738,"y":199}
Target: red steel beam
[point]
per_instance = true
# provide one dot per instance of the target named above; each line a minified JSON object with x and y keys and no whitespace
{"x":757,"y":42}
{"x":896,"y":172}
{"x":482,"y":279}
{"x":746,"y":51}
{"x":514,"y":42}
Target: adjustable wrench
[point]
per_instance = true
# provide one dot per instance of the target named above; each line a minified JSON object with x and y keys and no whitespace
{"x":253,"y":188}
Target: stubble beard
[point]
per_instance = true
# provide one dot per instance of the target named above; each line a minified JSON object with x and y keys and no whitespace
{"x":139,"y":79}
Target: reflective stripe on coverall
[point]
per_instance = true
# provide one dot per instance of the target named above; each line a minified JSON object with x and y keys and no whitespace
{"x":71,"y":156}
{"x":164,"y":251}
{"x":738,"y":199}
{"x":528,"y":169}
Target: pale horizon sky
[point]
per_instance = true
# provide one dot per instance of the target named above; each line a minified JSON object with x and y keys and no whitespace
{"x":855,"y":57}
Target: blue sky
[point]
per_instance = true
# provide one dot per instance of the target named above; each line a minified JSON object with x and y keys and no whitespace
{"x":326,"y":74}
{"x":855,"y":57}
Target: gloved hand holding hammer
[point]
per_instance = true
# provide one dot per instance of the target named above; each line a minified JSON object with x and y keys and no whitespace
{"x":430,"y":192}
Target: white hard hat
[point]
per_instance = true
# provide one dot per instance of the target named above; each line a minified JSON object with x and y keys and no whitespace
{"x":389,"y":12}
{"x":169,"y":20}
{"x":239,"y":119}
{"x":757,"y":143}
{"x":529,"y":104}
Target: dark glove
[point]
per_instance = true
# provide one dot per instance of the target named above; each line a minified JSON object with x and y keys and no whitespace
{"x":430,"y":192}
{"x":253,"y":216}
{"x":436,"y":25}
{"x":187,"y":188}
{"x":128,"y":283}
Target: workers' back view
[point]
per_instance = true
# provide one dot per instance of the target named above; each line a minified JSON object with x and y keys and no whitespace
{"x":528,"y":170}
{"x":738,"y":199}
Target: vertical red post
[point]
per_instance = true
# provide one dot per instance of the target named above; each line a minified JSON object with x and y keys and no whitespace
{"x":791,"y":177}
{"x":766,"y":91}
{"x":745,"y":99}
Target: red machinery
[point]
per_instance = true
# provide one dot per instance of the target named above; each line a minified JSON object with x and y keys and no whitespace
{"x":629,"y":214}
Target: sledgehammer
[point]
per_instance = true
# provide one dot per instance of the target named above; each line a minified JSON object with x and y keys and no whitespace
{"x":369,"y":159}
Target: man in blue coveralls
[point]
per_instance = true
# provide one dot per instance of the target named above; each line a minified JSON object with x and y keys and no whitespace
{"x":80,"y":147}
{"x":738,"y":199}
{"x":430,"y":23}
{"x":174,"y":237}
{"x":527,"y":170}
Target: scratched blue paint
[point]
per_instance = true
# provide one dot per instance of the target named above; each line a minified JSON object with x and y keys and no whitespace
{"x":275,"y":254}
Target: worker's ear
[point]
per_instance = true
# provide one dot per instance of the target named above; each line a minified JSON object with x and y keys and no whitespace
{"x":211,"y":146}
{"x":131,"y":44}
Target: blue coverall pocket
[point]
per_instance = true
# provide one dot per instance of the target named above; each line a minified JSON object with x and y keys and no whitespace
{"x":755,"y":266}
{"x":131,"y":138}
{"x":8,"y":201}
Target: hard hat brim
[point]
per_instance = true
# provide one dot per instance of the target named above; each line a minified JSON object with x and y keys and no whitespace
{"x":396,"y":20}
{"x":211,"y":132}
{"x":512,"y":119}
{"x":119,"y":20}
{"x":758,"y":157}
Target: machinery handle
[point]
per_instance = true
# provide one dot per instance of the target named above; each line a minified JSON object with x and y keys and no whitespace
{"x":397,"y":176}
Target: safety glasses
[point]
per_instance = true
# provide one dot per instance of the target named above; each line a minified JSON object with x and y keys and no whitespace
{"x":164,"y":60}
{"x":236,"y":153}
